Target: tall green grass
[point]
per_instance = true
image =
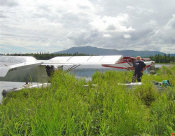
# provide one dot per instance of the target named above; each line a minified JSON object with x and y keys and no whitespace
{"x":67,"y":107}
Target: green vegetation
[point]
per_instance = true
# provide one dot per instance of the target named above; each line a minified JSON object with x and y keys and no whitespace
{"x":45,"y":56}
{"x":166,"y":58}
{"x":68,"y":107}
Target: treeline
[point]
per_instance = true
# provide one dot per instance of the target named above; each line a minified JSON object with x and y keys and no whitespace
{"x":45,"y":56}
{"x":166,"y":58}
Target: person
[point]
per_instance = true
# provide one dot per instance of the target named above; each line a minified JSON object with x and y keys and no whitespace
{"x":49,"y":70}
{"x":139,"y":67}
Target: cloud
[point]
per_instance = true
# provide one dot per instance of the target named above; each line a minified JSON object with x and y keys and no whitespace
{"x":2,"y":15}
{"x":127,"y":36}
{"x":171,"y":23}
{"x":114,"y":24}
{"x":106,"y":35}
{"x":8,"y":3}
{"x":52,"y":25}
{"x":165,"y":35}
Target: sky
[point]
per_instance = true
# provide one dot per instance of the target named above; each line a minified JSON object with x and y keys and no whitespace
{"x":53,"y":25}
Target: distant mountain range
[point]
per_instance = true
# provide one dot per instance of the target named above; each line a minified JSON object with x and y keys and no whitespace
{"x":89,"y":50}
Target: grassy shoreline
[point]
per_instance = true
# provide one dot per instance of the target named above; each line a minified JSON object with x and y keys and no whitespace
{"x":69,"y":108}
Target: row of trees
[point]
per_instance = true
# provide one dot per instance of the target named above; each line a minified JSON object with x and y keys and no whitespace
{"x":45,"y":56}
{"x":163,"y":58}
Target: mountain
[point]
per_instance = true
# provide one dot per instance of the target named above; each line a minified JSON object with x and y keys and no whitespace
{"x":101,"y":51}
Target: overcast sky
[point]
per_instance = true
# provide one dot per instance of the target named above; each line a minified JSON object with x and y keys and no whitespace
{"x":54,"y":25}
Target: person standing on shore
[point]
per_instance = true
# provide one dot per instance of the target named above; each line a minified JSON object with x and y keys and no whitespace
{"x":139,"y":67}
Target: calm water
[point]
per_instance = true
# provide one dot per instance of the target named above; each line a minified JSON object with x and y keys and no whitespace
{"x":160,"y":65}
{"x":87,"y":73}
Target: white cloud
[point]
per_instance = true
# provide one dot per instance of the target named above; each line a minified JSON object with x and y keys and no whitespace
{"x":127,"y":36}
{"x":171,"y":23}
{"x":111,"y":24}
{"x":52,"y":25}
{"x":106,"y":35}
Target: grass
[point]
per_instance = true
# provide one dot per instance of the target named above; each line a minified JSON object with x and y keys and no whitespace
{"x":69,"y":108}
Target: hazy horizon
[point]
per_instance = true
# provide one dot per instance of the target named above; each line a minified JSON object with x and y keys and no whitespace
{"x":79,"y":52}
